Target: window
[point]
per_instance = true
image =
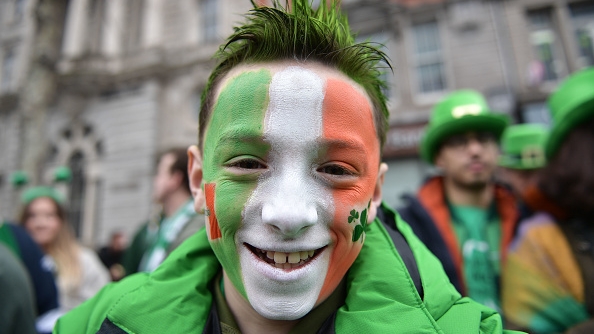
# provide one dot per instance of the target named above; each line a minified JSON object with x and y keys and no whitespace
{"x":381,"y":40}
{"x":208,"y":16}
{"x":7,"y":69}
{"x":582,"y":16}
{"x":545,"y":45}
{"x":77,"y":191}
{"x":96,"y":16}
{"x":133,"y":22}
{"x":428,"y":55}
{"x":536,"y":112}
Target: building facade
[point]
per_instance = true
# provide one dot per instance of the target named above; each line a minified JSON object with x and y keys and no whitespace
{"x":131,"y":74}
{"x":515,"y":52}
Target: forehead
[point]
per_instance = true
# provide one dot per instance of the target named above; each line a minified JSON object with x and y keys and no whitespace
{"x":42,"y":203}
{"x":323,"y":71}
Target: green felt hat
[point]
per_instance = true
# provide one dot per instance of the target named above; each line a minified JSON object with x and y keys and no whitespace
{"x":570,"y":105}
{"x":34,"y":193}
{"x":523,"y":146}
{"x":460,"y":111}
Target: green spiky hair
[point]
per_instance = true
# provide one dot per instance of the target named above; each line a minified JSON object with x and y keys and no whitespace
{"x":299,"y":32}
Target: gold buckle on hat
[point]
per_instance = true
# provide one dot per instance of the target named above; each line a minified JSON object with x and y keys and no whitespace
{"x":467,"y":109}
{"x":533,"y":156}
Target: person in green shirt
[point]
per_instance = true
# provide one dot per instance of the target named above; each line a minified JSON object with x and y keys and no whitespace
{"x":463,"y":216}
{"x":292,"y":123}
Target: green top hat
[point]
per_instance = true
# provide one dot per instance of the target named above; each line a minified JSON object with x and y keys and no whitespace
{"x":570,"y":105}
{"x":34,"y":193}
{"x":523,"y":146}
{"x":460,"y":111}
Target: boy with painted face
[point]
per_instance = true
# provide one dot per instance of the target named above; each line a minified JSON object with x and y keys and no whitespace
{"x":291,"y":128}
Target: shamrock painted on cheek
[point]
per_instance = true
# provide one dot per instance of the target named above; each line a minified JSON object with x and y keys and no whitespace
{"x":359,"y":228}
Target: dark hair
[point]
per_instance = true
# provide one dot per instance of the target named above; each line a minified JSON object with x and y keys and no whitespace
{"x":301,"y":33}
{"x":568,"y":178}
{"x":180,"y":164}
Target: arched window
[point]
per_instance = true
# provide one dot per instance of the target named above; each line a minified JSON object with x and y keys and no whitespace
{"x":77,"y":191}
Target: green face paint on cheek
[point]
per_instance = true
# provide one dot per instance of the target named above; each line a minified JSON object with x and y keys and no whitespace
{"x":235,"y":129}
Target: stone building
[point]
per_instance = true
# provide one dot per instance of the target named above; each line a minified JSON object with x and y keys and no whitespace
{"x":513,"y":51}
{"x":131,"y":74}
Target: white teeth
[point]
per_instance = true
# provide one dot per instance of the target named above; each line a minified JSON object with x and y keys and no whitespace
{"x":280,"y":257}
{"x":303,"y":255}
{"x":284,"y":260}
{"x":294,"y":257}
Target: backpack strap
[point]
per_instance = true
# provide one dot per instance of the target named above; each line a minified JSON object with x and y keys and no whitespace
{"x":402,"y":247}
{"x":581,"y":238}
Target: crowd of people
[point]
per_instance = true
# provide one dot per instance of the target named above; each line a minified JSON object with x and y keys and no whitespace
{"x":274,"y":222}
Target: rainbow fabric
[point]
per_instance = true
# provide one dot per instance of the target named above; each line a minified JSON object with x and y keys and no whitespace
{"x":543,"y":290}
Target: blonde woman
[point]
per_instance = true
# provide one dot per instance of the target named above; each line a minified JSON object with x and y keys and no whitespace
{"x":79,"y":272}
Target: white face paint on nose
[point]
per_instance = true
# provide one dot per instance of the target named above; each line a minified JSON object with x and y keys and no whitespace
{"x":290,"y":211}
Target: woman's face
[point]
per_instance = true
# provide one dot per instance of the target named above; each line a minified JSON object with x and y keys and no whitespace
{"x":43,"y":222}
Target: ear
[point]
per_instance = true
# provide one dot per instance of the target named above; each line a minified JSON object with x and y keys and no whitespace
{"x":195,"y":175}
{"x":376,"y":201}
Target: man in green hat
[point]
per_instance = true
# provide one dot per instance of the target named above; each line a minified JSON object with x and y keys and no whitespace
{"x":462,"y":216}
{"x":289,"y":158}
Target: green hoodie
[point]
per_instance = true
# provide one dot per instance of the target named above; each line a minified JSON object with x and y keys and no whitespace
{"x":381,"y":296}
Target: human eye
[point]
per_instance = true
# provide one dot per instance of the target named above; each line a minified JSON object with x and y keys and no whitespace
{"x":335,"y":170}
{"x":246,"y":164}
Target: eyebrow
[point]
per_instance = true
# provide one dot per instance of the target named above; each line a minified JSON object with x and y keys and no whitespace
{"x":349,"y":144}
{"x":240,"y":136}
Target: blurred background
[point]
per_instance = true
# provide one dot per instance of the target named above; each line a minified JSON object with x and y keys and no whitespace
{"x":102,"y":86}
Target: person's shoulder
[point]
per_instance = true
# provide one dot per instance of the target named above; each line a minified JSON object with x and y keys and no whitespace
{"x":88,"y":317}
{"x":537,"y":223}
{"x":150,"y":302}
{"x":89,"y":258}
{"x":538,"y":228}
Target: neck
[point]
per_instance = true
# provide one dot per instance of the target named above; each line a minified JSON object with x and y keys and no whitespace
{"x":458,"y":194}
{"x":174,"y":201}
{"x":247,"y":318}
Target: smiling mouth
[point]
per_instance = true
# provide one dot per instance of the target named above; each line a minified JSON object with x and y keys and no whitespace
{"x":284,"y":260}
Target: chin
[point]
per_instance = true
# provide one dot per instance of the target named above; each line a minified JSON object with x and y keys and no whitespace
{"x":283,"y":294}
{"x":283,"y":309}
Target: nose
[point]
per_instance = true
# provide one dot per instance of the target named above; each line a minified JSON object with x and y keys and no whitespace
{"x":474,"y":145}
{"x":289,"y":215}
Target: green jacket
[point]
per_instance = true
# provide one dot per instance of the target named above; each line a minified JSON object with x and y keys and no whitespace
{"x":381,"y":296}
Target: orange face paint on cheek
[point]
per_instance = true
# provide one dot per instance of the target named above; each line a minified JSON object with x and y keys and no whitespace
{"x":348,"y":118}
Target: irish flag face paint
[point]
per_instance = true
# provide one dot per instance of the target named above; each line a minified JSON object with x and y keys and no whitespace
{"x":291,"y":159}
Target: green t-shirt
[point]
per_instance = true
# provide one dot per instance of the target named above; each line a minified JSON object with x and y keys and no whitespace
{"x":479,"y":236}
